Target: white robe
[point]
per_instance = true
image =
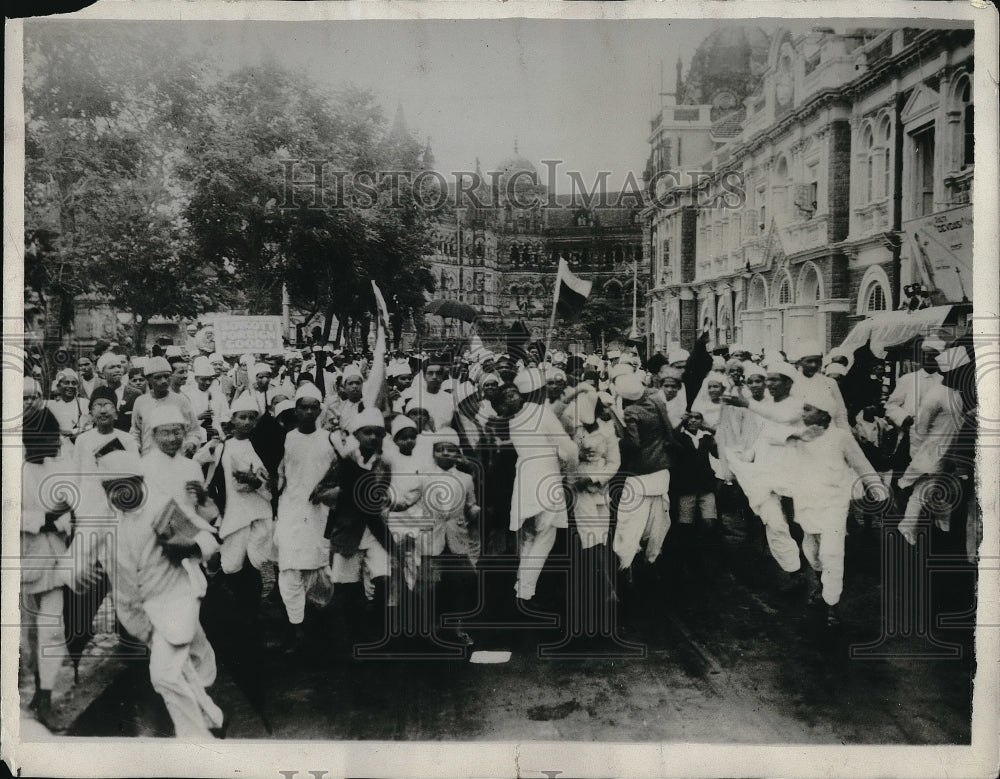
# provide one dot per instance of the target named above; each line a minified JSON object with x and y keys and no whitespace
{"x":298,"y":533}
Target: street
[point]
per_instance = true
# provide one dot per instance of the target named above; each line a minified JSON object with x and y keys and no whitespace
{"x":728,"y":659}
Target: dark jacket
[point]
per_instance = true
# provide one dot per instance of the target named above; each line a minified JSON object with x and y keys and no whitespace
{"x":650,"y":443}
{"x":692,"y":473}
{"x":361,"y":503}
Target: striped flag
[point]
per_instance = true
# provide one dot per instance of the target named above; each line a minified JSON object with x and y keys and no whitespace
{"x":571,"y":291}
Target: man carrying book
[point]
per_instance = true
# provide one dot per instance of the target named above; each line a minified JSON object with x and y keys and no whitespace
{"x":161,"y":543}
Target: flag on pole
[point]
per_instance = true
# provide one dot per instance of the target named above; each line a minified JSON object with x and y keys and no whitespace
{"x":571,"y":291}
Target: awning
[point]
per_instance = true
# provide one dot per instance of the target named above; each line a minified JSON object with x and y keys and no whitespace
{"x":894,"y":328}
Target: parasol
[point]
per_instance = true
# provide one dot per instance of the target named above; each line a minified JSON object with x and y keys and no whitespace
{"x":452,"y":309}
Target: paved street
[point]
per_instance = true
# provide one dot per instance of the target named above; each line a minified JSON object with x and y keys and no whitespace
{"x":728,"y":659}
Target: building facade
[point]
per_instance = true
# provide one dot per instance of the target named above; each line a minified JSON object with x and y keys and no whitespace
{"x":842,"y":178}
{"x":500,"y":252}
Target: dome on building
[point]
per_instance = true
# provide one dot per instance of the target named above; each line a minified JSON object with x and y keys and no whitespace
{"x":516,"y":163}
{"x":727,"y":67}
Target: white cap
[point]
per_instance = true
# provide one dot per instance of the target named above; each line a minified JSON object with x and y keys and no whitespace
{"x":678,"y":355}
{"x":156,"y":365}
{"x":629,"y":386}
{"x":559,"y":358}
{"x":398,"y":368}
{"x":351,"y":371}
{"x":244,"y":402}
{"x":445,"y":435}
{"x":106,"y":359}
{"x":165,"y":414}
{"x":247,"y":360}
{"x":370,"y":417}
{"x":783,"y":368}
{"x":308,"y":390}
{"x":66,"y":373}
{"x":751,"y":368}
{"x":818,"y":397}
{"x":835,"y":369}
{"x":718,"y":363}
{"x":529,"y":380}
{"x":173,"y":351}
{"x":283,"y":406}
{"x":259,"y":368}
{"x":401,"y":422}
{"x":554,"y":374}
{"x":614,"y":354}
{"x":203,"y":368}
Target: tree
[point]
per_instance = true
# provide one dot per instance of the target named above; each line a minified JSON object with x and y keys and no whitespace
{"x":105,"y":116}
{"x":264,"y":132}
{"x":599,"y":316}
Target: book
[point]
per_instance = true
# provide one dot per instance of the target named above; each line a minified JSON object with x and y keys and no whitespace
{"x":114,"y":445}
{"x":173,"y":520}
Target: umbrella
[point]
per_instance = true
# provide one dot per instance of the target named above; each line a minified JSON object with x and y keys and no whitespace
{"x":452,"y":309}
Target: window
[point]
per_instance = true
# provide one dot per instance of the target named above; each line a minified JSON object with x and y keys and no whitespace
{"x":885,"y":138}
{"x":812,"y":187}
{"x":923,"y":172}
{"x":868,"y":144}
{"x":784,"y":293}
{"x":783,"y":184}
{"x":966,"y":141}
{"x":876,"y":299}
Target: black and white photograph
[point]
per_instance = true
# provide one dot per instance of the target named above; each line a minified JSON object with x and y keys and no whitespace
{"x":478,"y":389}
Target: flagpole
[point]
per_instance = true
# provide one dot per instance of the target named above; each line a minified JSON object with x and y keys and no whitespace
{"x":555,"y":305}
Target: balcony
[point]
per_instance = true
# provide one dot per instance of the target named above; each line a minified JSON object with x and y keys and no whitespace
{"x":802,"y":236}
{"x":872,"y":218}
{"x":959,"y":186}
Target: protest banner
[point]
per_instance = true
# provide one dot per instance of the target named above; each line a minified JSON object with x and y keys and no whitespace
{"x":247,"y":334}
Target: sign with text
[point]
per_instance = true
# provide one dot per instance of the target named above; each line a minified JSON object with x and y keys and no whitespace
{"x":938,"y":253}
{"x":247,"y":334}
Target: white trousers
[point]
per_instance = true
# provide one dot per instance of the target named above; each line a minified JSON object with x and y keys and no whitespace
{"x":295,"y":585}
{"x":533,"y":547}
{"x":779,"y":538}
{"x":42,"y":626}
{"x":180,"y":674}
{"x":255,"y":543}
{"x":825,"y":553}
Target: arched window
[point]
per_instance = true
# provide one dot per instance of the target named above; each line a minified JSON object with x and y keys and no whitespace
{"x":613,"y":290}
{"x":868,"y":145}
{"x":783,"y":185}
{"x":876,"y":299}
{"x":757,"y":296}
{"x":873,"y":292}
{"x":966,"y":143}
{"x":810,"y":286}
{"x":513,"y":254}
{"x":785,"y":292}
{"x":885,"y":139}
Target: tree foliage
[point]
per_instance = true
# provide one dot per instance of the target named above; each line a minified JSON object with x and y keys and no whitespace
{"x":171,"y":190}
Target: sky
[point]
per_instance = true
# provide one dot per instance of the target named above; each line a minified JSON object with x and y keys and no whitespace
{"x":580,"y":91}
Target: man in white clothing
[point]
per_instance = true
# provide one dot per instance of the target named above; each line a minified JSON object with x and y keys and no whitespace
{"x":158,"y":375}
{"x":938,"y":420}
{"x":902,"y":405}
{"x":538,"y":503}
{"x":809,"y":360}
{"x":159,"y":583}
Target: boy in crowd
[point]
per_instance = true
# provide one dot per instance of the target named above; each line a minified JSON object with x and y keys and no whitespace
{"x":298,"y":533}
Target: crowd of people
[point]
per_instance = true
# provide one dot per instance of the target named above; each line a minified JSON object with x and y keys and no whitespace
{"x":377,"y":484}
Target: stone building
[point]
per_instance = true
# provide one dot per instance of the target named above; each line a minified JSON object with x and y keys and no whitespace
{"x":502,"y":257}
{"x":843,"y":177}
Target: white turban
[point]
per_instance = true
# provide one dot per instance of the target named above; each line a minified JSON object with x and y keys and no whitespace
{"x":308,"y":390}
